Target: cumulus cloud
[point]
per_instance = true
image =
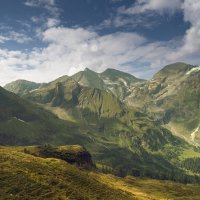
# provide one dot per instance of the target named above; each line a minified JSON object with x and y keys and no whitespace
{"x":68,"y":51}
{"x":191,"y":42}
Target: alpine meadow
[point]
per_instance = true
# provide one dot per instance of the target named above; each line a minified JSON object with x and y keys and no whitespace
{"x":99,"y":100}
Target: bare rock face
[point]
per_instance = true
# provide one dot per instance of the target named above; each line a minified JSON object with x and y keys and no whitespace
{"x":73,"y":154}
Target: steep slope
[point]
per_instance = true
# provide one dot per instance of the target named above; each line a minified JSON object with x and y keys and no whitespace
{"x":21,"y":87}
{"x":173,"y":96}
{"x":122,"y":138}
{"x":50,"y":178}
{"x":23,"y":122}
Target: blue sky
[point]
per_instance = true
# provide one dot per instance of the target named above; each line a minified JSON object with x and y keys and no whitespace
{"x":41,"y":40}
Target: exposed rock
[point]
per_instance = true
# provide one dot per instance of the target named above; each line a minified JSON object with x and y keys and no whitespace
{"x":73,"y":154}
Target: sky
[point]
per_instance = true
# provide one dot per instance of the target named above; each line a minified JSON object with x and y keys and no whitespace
{"x":41,"y":40}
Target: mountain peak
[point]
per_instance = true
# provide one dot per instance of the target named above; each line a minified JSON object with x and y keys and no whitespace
{"x":88,"y":70}
{"x":174,"y":69}
{"x":21,"y":87}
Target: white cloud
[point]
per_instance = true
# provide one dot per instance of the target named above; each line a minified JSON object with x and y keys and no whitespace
{"x":40,"y":2}
{"x":15,"y":36}
{"x":160,"y":6}
{"x":130,"y":21}
{"x":3,"y":39}
{"x":69,"y":50}
{"x":49,"y":5}
{"x":191,"y":42}
{"x":51,"y":22}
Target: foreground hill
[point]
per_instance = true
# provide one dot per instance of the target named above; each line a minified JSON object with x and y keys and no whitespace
{"x":24,"y":176}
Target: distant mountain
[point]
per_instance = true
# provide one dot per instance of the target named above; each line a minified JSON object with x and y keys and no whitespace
{"x":22,"y":87}
{"x":119,"y":83}
{"x":89,"y":78}
{"x":112,"y":80}
{"x":173,"y":95}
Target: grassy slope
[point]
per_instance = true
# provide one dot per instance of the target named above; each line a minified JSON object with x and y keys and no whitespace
{"x":24,"y":123}
{"x":24,"y":176}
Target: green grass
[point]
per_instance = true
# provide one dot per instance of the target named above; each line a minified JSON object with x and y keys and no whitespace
{"x":25,"y":176}
{"x":189,"y":153}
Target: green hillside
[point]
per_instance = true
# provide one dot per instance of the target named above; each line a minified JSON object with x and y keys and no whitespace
{"x":25,"y":123}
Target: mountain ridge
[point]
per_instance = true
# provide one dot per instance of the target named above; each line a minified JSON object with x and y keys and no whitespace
{"x":124,"y":138}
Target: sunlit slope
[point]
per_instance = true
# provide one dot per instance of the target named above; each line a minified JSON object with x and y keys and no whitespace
{"x":24,"y":176}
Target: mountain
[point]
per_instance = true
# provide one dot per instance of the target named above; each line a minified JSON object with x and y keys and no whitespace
{"x":117,"y":133}
{"x":52,"y":178}
{"x":22,"y":87}
{"x":112,"y":80}
{"x":127,"y":140}
{"x":89,"y":78}
{"x":119,"y":83}
{"x":173,"y":96}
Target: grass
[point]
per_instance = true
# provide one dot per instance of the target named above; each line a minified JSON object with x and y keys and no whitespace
{"x":24,"y":176}
{"x":60,"y":113}
{"x":189,"y":153}
{"x":146,"y":189}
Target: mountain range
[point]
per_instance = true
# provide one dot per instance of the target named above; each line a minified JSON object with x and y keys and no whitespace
{"x":131,"y":126}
